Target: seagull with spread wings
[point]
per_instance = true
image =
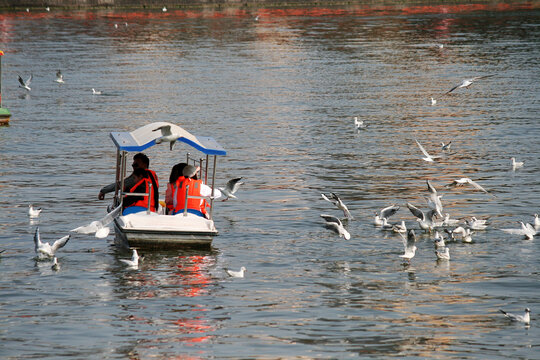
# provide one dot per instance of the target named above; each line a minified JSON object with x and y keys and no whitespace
{"x":428,"y":158}
{"x":335,"y":224}
{"x":25,"y":84}
{"x":231,"y":188}
{"x":467,"y":82}
{"x":166,"y":135}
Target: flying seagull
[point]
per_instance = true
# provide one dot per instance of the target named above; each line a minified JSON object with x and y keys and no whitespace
{"x":382,"y":217}
{"x":428,"y":157}
{"x":334,"y":199}
{"x":434,"y":200}
{"x":446,"y":147}
{"x":236,"y":274}
{"x":59,"y":77}
{"x":99,"y":227}
{"x":467,"y":82}
{"x":45,"y":250}
{"x":463,"y":181}
{"x":133,"y":262}
{"x":166,"y":135}
{"x":424,"y":220}
{"x":335,"y":224}
{"x":25,"y":85}
{"x":408,"y":245}
{"x":525,"y":318}
{"x":231,"y":188}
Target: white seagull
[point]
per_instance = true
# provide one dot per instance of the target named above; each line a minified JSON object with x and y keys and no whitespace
{"x":434,"y":200}
{"x":428,"y":157}
{"x":134,"y":262}
{"x":166,"y":135}
{"x":444,"y":255}
{"x":526,"y":230}
{"x":409,"y":245}
{"x":164,"y":9}
{"x":467,"y":82}
{"x":476,"y":224}
{"x":45,"y":250}
{"x":47,"y":9}
{"x":55,"y":266}
{"x":33,"y":212}
{"x":59,"y":77}
{"x":400,"y":228}
{"x":424,"y":220}
{"x":466,"y":235}
{"x":25,"y":85}
{"x":516,"y":164}
{"x":525,"y":318}
{"x":359,"y":124}
{"x":463,"y":181}
{"x":236,"y":274}
{"x":536,"y":222}
{"x":446,"y":147}
{"x":95,"y":92}
{"x":382,"y":217}
{"x":439,"y":240}
{"x":449,"y":222}
{"x":231,"y":188}
{"x":99,"y":227}
{"x":334,"y":199}
{"x":433,"y":101}
{"x":335,"y":224}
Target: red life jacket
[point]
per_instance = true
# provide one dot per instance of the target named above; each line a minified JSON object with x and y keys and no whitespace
{"x":137,"y":188}
{"x":194,"y":190}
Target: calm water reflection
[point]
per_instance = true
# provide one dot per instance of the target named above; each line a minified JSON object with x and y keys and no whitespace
{"x":279,"y":94}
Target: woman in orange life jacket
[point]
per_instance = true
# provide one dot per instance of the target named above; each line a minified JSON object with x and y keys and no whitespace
{"x":196,"y":188}
{"x":176,"y":172}
{"x":134,"y":204}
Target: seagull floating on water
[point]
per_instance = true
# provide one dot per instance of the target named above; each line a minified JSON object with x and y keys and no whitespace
{"x":449,"y":222}
{"x":236,"y":274}
{"x":536,"y":222}
{"x":466,"y":234}
{"x":231,"y":188}
{"x":526,"y":230}
{"x":409,"y":245}
{"x":433,"y":101}
{"x":428,"y":157}
{"x":34,"y":212}
{"x":516,"y":164}
{"x":525,"y":318}
{"x":47,"y":9}
{"x":335,"y":224}
{"x":59,"y":77}
{"x":25,"y":84}
{"x":444,"y":255}
{"x":95,"y":92}
{"x":164,"y":9}
{"x":359,"y":124}
{"x":334,"y":199}
{"x":166,"y":135}
{"x":424,"y":220}
{"x":476,"y":224}
{"x":467,"y":82}
{"x":400,"y":228}
{"x":134,"y":262}
{"x":45,"y":250}
{"x":55,"y":266}
{"x":383,"y":216}
{"x":99,"y":227}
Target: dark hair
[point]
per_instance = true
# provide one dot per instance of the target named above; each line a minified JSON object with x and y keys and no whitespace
{"x":143,"y":158}
{"x":140,"y":172}
{"x":176,"y":172}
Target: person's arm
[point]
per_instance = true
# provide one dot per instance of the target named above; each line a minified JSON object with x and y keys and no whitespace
{"x":128,"y":183}
{"x":207,"y":191}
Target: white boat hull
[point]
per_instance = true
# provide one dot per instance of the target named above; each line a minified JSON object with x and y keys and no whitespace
{"x":153,"y":231}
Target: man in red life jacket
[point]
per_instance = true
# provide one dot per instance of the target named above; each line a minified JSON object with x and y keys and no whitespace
{"x":133,"y":204}
{"x":140,"y":160}
{"x":196,"y":188}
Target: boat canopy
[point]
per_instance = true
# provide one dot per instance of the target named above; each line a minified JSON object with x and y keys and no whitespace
{"x":145,"y":137}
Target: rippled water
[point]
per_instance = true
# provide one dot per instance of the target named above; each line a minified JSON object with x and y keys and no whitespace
{"x":279,"y":94}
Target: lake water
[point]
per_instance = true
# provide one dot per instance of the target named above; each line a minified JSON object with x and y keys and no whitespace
{"x":280,"y":95}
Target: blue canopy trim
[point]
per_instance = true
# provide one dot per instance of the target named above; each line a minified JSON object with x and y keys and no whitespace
{"x":145,"y":137}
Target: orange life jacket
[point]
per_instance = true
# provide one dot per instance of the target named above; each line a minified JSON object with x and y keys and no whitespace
{"x":194,"y":190}
{"x":137,"y":188}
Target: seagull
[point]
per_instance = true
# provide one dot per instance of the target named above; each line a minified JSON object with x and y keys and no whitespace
{"x":335,"y":224}
{"x":33,"y":212}
{"x":409,"y":245}
{"x":516,"y":164}
{"x":446,"y":147}
{"x":45,"y":250}
{"x":439,"y":240}
{"x":99,"y":227}
{"x":476,"y":224}
{"x":55,"y":266}
{"x":445,"y":255}
{"x":525,"y":318}
{"x":359,"y":124}
{"x":400,"y":228}
{"x":382,"y":217}
{"x":434,"y":200}
{"x":463,"y":181}
{"x":25,"y":85}
{"x":467,"y":82}
{"x":236,"y":274}
{"x":231,"y":188}
{"x":257,"y":18}
{"x":95,"y":92}
{"x":47,"y":9}
{"x":164,"y":9}
{"x":116,"y":26}
{"x":27,"y":10}
{"x":448,"y":222}
{"x":428,"y":157}
{"x":166,"y":135}
{"x":440,"y":46}
{"x":536,"y":222}
{"x":466,"y":235}
{"x":433,"y":101}
{"x":526,"y":230}
{"x":134,"y":262}
{"x":59,"y":77}
{"x":334,"y":199}
{"x":425,"y":220}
